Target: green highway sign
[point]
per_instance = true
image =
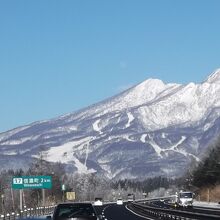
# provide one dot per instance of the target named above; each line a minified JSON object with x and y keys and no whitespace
{"x":32,"y":182}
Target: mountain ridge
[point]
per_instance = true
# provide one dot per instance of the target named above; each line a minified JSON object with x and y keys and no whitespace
{"x":150,"y":129}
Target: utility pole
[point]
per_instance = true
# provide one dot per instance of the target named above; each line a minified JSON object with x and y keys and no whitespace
{"x":208,"y":195}
{"x":2,"y":196}
{"x":41,"y":172}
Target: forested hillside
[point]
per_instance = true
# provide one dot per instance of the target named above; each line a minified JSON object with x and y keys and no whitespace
{"x":207,"y":173}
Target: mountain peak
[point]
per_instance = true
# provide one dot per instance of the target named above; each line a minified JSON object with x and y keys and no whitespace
{"x":214,"y":77}
{"x":151,"y":83}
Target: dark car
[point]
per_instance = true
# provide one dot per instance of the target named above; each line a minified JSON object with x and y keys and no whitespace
{"x":75,"y":211}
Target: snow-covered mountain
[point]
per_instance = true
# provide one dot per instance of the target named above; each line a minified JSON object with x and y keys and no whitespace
{"x":150,"y":129}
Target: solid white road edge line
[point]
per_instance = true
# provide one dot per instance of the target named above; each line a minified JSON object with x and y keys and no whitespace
{"x":138,"y":214}
{"x":103,"y":212}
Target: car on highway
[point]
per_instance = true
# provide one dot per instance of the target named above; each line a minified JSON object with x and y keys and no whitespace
{"x":75,"y":211}
{"x":98,"y":202}
{"x":119,"y":202}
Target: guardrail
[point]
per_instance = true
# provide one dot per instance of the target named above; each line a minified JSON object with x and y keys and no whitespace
{"x":168,"y":214}
{"x":154,"y":212}
{"x":38,"y":211}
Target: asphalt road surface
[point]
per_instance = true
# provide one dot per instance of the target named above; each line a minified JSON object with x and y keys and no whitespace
{"x":118,"y":212}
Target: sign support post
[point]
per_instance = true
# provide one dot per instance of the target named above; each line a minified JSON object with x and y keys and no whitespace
{"x":21,"y":205}
{"x":43,"y":196}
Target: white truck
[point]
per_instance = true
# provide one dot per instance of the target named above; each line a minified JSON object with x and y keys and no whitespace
{"x":185,"y":199}
{"x":131,"y":197}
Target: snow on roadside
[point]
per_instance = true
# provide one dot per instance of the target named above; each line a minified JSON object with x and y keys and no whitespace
{"x":206,"y":204}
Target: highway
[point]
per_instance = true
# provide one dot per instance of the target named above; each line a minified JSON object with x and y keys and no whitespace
{"x":108,"y":212}
{"x":150,"y":210}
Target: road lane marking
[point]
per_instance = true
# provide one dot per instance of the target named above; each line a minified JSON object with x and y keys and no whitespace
{"x":103,"y":212}
{"x":138,"y":214}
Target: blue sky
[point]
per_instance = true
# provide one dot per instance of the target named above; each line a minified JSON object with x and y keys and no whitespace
{"x":60,"y":56}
